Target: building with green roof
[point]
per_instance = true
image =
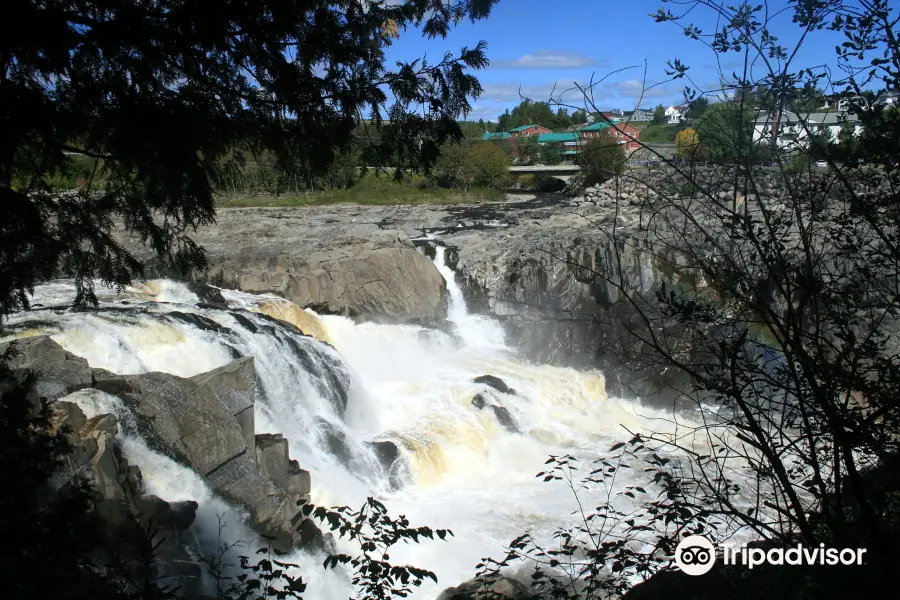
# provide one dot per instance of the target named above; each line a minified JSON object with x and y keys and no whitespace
{"x":596,"y":126}
{"x":566,"y":136}
{"x":500,"y":135}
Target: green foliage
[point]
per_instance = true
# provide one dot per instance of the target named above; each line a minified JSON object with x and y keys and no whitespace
{"x":527,"y":148}
{"x":696,"y":108}
{"x":375,"y":532}
{"x":491,"y":165}
{"x":800,"y":163}
{"x":601,"y":159}
{"x":162,"y":96}
{"x":529,"y":112}
{"x":727,"y":131}
{"x":473,"y":130}
{"x":463,"y":166}
{"x":579,"y":117}
{"x":456,"y":167}
{"x":659,"y":115}
{"x":821,"y":145}
{"x":551,"y":154}
{"x":659,"y":134}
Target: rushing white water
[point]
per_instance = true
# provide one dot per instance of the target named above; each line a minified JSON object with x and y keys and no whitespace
{"x":405,"y":384}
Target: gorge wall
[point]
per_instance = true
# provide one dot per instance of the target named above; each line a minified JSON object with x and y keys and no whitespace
{"x":551,"y":267}
{"x":205,"y":423}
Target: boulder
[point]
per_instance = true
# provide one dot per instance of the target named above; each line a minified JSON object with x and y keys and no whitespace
{"x":59,"y":372}
{"x":209,"y":295}
{"x":479,"y":401}
{"x":379,"y":277}
{"x":185,"y":420}
{"x":96,"y":458}
{"x":272,"y":456}
{"x":207,"y":423}
{"x":335,"y":440}
{"x":388,"y":455}
{"x":237,"y":386}
{"x":504,"y":588}
{"x":111,"y":383}
{"x":313,"y":540}
{"x":496,"y":383}
{"x":271,"y":507}
{"x":176,"y":516}
{"x":505,"y":418}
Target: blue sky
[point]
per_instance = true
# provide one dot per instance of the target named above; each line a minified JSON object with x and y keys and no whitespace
{"x":534,"y":44}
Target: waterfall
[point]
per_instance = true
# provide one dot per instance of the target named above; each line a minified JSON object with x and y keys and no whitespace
{"x":475,"y":331}
{"x":464,"y":468}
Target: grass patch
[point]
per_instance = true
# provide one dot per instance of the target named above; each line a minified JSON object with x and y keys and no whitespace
{"x":659,"y":134}
{"x":371,"y":190}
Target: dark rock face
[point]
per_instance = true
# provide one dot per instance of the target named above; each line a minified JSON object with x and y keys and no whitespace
{"x":496,"y":383}
{"x":198,"y":321}
{"x":388,"y":455}
{"x":377,"y":275}
{"x":209,"y":295}
{"x":505,"y":418}
{"x":186,"y":421}
{"x":95,"y":457}
{"x":205,"y":422}
{"x":177,"y":516}
{"x":505,"y":588}
{"x":335,"y":440}
{"x":59,"y":372}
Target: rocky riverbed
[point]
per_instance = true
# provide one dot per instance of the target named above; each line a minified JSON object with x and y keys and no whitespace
{"x":546,"y":265}
{"x":516,"y":260}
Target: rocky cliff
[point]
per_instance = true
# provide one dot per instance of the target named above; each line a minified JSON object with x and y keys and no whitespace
{"x":343,"y":268}
{"x":204,"y":422}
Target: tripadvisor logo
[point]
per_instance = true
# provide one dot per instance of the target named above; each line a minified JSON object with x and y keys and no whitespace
{"x":696,"y":555}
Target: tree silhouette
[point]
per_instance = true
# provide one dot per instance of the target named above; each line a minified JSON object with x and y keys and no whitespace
{"x":155,"y":94}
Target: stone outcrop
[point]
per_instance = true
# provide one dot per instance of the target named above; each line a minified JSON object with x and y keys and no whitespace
{"x":501,"y":413}
{"x":376,"y":275}
{"x":205,"y":422}
{"x":123,"y":511}
{"x":61,"y":372}
{"x":503,"y":588}
{"x":96,"y":458}
{"x":496,"y":383}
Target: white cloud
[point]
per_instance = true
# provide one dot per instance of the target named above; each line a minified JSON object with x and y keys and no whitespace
{"x":547,"y":59}
{"x":565,"y":92}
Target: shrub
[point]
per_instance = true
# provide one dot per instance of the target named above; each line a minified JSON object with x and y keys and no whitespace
{"x":602,"y":158}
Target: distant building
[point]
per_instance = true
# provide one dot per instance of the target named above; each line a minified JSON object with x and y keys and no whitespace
{"x":500,"y":135}
{"x":889,"y":98}
{"x":593,"y":130}
{"x":526,"y":130}
{"x":626,"y":135}
{"x":639,"y":115}
{"x":842,"y":102}
{"x":789,"y":130}
{"x":674,"y":114}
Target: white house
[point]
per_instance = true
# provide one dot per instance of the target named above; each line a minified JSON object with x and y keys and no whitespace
{"x":674,"y":114}
{"x":791,"y":131}
{"x":890,"y":98}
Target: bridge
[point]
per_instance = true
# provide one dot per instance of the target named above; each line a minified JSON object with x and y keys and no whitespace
{"x":564,"y":172}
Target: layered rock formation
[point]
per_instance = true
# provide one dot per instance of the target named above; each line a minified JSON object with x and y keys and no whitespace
{"x":205,"y":422}
{"x":357,"y":272}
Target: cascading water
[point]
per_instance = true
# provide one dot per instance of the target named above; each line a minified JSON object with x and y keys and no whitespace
{"x":467,"y":469}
